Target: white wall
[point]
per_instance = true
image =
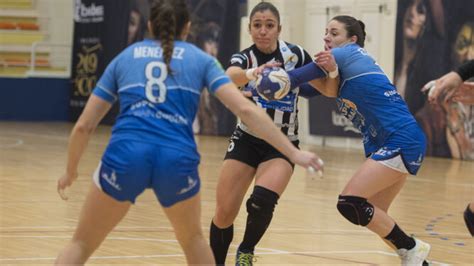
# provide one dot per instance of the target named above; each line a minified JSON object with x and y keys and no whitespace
{"x":304,"y":23}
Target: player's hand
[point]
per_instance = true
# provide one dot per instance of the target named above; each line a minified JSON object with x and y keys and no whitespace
{"x":465,"y":94}
{"x":247,"y":93}
{"x":65,"y":181}
{"x":308,"y":160}
{"x":326,"y":60}
{"x":271,"y":64}
{"x":444,"y":85}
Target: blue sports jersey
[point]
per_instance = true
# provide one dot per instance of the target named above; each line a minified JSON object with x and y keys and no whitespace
{"x":368,"y":98}
{"x":157,"y":106}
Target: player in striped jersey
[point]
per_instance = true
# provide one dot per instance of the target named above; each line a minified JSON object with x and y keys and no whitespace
{"x":248,"y":156}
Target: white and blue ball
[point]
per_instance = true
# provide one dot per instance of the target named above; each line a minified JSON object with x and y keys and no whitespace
{"x":273,"y":84}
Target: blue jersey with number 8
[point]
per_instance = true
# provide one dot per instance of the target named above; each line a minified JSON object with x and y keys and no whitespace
{"x":157,"y":106}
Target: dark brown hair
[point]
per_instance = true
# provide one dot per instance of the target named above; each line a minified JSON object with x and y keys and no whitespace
{"x":168,"y":18}
{"x":262,"y":6}
{"x":353,"y":27}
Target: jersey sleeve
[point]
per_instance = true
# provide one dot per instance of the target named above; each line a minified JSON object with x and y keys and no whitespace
{"x":305,"y":57}
{"x":239,"y":60}
{"x":214,"y":75}
{"x":106,"y":88}
{"x":466,"y":70}
{"x":338,"y":54}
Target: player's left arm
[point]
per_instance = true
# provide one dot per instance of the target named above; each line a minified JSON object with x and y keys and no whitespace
{"x":329,"y":85}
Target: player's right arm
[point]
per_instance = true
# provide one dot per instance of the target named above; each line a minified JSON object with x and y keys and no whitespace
{"x":97,"y":106}
{"x":239,"y":71}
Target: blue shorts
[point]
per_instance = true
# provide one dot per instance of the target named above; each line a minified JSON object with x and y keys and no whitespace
{"x":129,"y":167}
{"x":409,"y":143}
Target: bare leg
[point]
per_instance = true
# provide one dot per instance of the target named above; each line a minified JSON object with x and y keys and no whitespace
{"x":274,"y":175}
{"x":234,"y":180}
{"x":185,"y":216}
{"x":372,"y":178}
{"x":99,"y":215}
{"x":384,"y":199}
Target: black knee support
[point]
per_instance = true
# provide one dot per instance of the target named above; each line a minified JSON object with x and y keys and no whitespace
{"x":355,"y":209}
{"x":262,"y":202}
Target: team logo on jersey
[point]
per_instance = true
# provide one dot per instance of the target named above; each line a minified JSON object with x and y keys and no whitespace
{"x":349,"y":110}
{"x":291,"y":62}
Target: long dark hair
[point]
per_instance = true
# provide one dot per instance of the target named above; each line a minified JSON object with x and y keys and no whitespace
{"x":431,"y":58}
{"x":168,"y":18}
{"x":354,"y":27}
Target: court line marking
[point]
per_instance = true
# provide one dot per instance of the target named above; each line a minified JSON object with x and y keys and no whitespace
{"x":16,"y":143}
{"x":269,"y":251}
{"x":121,"y":229}
{"x":266,"y":251}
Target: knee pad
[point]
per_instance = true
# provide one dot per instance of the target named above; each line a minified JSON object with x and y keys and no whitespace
{"x":355,"y":209}
{"x":262,"y":202}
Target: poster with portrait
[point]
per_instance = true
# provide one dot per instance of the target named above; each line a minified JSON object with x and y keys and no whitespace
{"x":101,"y":32}
{"x":434,"y":37}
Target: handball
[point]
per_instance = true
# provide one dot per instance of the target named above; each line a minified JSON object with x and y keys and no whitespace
{"x":273,"y":84}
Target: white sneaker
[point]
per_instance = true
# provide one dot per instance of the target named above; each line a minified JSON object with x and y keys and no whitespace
{"x":416,"y":255}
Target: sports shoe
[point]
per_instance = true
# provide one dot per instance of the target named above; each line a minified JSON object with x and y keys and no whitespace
{"x":244,"y":259}
{"x":415,"y":256}
{"x":469,"y":219}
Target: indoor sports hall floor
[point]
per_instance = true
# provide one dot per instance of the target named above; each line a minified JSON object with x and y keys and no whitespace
{"x":306,"y":229}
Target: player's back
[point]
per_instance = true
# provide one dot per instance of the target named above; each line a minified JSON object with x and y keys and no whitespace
{"x":367,"y":96}
{"x":157,"y":105}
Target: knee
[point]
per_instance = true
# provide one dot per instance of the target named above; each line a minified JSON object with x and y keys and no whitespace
{"x":225,"y":216}
{"x":262,"y":202}
{"x":355,"y":209}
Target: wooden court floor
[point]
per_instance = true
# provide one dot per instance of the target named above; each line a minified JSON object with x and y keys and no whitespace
{"x":306,"y":229}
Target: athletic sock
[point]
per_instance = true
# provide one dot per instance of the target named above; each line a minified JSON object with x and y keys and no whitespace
{"x":220,"y":241}
{"x":399,"y":239}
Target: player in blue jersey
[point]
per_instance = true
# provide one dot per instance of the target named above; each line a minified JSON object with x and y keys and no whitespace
{"x":158,"y":83}
{"x":394,"y":143}
{"x":249,"y":157}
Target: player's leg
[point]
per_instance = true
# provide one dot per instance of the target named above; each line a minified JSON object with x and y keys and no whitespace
{"x":185,"y":217}
{"x":238,"y":170}
{"x":469,"y":217}
{"x":234,"y":180}
{"x":371,"y":179}
{"x":176,"y":183}
{"x":271,"y":180}
{"x":100,"y":213}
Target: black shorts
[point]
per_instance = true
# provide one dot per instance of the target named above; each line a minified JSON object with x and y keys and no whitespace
{"x":253,"y":151}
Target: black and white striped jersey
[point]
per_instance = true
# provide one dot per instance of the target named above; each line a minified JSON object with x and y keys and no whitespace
{"x":284,"y":112}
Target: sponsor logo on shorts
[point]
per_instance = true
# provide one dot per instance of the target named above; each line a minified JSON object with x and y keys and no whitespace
{"x":112,"y":180}
{"x":191,"y":184}
{"x":231,"y":146}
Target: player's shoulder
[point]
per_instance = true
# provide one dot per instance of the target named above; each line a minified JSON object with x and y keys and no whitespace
{"x":295,"y":48}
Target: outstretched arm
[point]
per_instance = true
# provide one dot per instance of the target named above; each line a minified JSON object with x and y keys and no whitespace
{"x":317,"y":76}
{"x":449,"y":83}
